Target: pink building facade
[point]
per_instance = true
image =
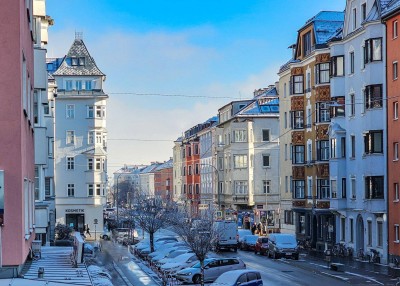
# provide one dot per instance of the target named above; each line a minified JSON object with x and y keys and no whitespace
{"x":16,"y":135}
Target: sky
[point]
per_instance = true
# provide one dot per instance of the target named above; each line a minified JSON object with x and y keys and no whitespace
{"x":171,"y":64}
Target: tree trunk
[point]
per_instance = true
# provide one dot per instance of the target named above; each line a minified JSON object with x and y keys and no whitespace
{"x":202,"y":272}
{"x":151,"y":242}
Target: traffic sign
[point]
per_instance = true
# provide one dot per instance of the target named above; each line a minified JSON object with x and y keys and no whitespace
{"x":203,"y":206}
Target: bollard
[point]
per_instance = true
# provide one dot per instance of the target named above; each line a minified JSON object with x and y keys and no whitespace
{"x":328,"y":255}
{"x":41,"y":272}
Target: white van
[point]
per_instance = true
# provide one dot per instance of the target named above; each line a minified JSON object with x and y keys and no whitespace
{"x":227,"y":235}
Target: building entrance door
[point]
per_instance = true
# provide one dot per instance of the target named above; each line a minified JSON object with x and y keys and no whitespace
{"x":76,"y":221}
{"x":360,"y":233}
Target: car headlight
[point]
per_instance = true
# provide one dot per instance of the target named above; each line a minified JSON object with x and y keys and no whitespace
{"x":187,"y":273}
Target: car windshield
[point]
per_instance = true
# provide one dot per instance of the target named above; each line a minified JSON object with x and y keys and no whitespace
{"x":251,"y":238}
{"x":264,"y":240}
{"x":197,"y":265}
{"x":286,"y":239}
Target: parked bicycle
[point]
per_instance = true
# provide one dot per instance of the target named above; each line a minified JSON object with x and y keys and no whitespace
{"x":375,"y":257}
{"x":304,"y":244}
{"x":339,"y":249}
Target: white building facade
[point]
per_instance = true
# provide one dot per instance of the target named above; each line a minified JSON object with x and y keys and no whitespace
{"x":80,"y":140}
{"x":358,"y":130}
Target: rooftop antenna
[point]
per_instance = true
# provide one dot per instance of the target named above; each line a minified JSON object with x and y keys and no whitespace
{"x":78,"y":35}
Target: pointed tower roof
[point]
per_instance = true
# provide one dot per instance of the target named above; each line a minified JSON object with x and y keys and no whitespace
{"x":78,"y":62}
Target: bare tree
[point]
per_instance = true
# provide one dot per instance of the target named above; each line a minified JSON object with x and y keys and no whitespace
{"x":198,"y":232}
{"x":151,"y":214}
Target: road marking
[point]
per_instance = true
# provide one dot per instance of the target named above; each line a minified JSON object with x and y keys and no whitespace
{"x":366,"y":277}
{"x":336,"y":276}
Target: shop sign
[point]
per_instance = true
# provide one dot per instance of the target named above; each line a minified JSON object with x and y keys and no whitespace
{"x":75,"y":210}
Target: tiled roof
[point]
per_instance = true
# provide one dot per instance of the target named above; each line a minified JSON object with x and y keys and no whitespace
{"x":165,"y":165}
{"x":96,"y":151}
{"x":392,"y":6}
{"x":265,"y":103}
{"x":78,"y":50}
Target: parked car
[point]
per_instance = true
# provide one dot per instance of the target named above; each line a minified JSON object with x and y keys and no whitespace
{"x":246,"y":277}
{"x":282,"y":245}
{"x":213,"y":267}
{"x":261,"y":245}
{"x":227,"y":235}
{"x":249,"y":242}
{"x":241,"y":234}
{"x":171,"y":257}
{"x":180,"y":262}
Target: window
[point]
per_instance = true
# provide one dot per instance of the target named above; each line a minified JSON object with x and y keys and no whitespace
{"x":70,"y":139}
{"x":220,"y":163}
{"x":395,"y":30}
{"x":351,"y":230}
{"x":81,"y":61}
{"x":363,"y":12}
{"x":50,"y":146}
{"x":197,"y":188}
{"x":265,"y":135}
{"x":288,"y":217}
{"x":373,"y":142}
{"x":37,"y":183}
{"x":351,"y":62}
{"x":196,"y":169}
{"x":302,"y":223}
{"x":373,"y":50}
{"x":396,"y":191}
{"x":353,"y":146}
{"x":90,"y":111}
{"x":298,"y":85}
{"x":322,"y":73}
{"x":266,"y":187}
{"x":74,"y":61}
{"x":90,"y":190}
{"x":354,"y":19}
{"x":308,"y":82}
{"x":343,"y":229}
{"x":196,"y":149}
{"x":100,"y":111}
{"x":374,"y":187}
{"x":396,"y":233}
{"x":396,"y":151}
{"x":70,"y":163}
{"x":71,"y":190}
{"x":70,"y":111}
{"x":395,"y":110}
{"x":298,"y":189}
{"x":343,"y":147}
{"x":68,"y":85}
{"x":298,"y":154}
{"x":47,"y":186}
{"x":334,"y":189}
{"x":99,"y":137}
{"x":337,"y":109}
{"x":190,"y":170}
{"x":98,"y":164}
{"x":306,"y":44}
{"x":373,"y":96}
{"x":286,"y":184}
{"x":78,"y":85}
{"x":298,"y":119}
{"x":333,"y":148}
{"x":395,"y":73}
{"x":241,"y":188}
{"x":352,"y":105}
{"x":369,"y":233}
{"x":353,"y":188}
{"x":323,"y":189}
{"x":46,"y":109}
{"x":379,"y":226}
{"x":266,"y":162}
{"x":323,"y":112}
{"x":240,"y":135}
{"x":98,"y":189}
{"x":240,"y":161}
{"x":344,"y":190}
{"x":323,"y":150}
{"x":90,"y":164}
{"x":337,"y":66}
{"x":285,"y":120}
{"x":88,"y":85}
{"x":91,"y":136}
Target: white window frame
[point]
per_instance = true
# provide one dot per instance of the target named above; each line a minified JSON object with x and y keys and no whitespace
{"x":395,"y":110}
{"x":396,"y":191}
{"x":70,"y":137}
{"x":240,"y":161}
{"x":90,"y":190}
{"x":395,"y":70}
{"x":70,"y":111}
{"x":395,"y":151}
{"x":90,"y":164}
{"x":269,"y":160}
{"x":90,"y":111}
{"x":395,"y":29}
{"x":269,"y":135}
{"x":241,"y":188}
{"x":240,"y":135}
{"x":70,"y":163}
{"x":266,"y":186}
{"x":71,"y":190}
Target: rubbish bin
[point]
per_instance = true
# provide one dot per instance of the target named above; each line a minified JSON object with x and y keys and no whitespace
{"x":40,"y":272}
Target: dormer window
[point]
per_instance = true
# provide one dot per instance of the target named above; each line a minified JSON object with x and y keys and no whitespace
{"x":81,"y":61}
{"x":306,"y":44}
{"x":74,"y":61}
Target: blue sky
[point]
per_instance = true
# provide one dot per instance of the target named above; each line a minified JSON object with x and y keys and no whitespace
{"x":211,"y":48}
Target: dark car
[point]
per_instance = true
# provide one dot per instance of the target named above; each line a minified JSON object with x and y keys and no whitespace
{"x":249,"y":242}
{"x":261,"y":245}
{"x":283,"y":245}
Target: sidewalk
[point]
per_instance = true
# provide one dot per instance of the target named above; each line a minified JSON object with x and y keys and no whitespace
{"x":354,"y":272}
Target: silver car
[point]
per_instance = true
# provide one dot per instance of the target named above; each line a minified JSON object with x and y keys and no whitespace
{"x":213,"y":267}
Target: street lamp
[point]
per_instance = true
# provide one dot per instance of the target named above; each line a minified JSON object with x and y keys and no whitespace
{"x":95,"y":222}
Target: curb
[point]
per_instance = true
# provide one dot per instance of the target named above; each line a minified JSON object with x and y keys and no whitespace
{"x":116,"y":267}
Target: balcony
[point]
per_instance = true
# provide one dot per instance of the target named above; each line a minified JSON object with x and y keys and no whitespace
{"x":92,"y":92}
{"x":338,"y":204}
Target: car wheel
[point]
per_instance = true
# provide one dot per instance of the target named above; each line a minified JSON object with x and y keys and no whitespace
{"x":197,"y":279}
{"x":274,"y":256}
{"x":255,"y":251}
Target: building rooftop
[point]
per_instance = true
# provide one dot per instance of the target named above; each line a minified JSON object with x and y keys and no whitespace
{"x":78,"y":62}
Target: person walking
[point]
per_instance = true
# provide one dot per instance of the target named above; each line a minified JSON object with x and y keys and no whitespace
{"x":88,"y":230}
{"x":253,"y":228}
